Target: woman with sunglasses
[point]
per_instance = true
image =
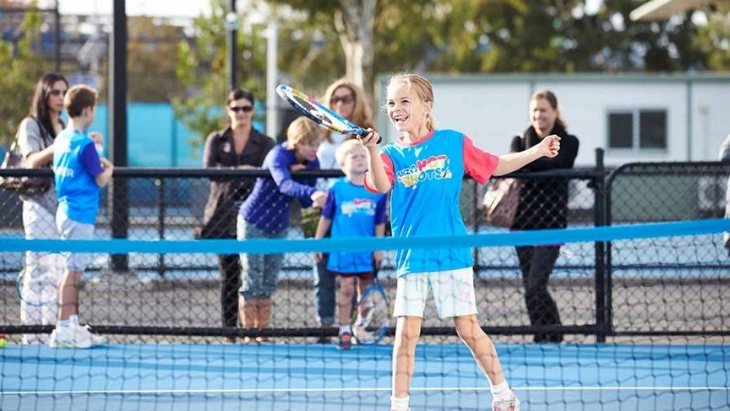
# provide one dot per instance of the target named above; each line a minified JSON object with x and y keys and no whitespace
{"x":348,"y":100}
{"x":238,"y":146}
{"x":36,"y":135}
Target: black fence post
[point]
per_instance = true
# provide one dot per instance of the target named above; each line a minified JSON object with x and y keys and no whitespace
{"x":161,"y":205}
{"x":118,"y":131}
{"x":599,"y":186}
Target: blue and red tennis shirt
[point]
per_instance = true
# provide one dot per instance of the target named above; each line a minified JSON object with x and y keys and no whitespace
{"x":426,"y":178}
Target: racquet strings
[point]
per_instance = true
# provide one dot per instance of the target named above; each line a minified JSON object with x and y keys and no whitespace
{"x":38,"y":281}
{"x":373,"y":317}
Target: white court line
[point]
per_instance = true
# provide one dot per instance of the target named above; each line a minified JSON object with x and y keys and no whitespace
{"x":316,"y":390}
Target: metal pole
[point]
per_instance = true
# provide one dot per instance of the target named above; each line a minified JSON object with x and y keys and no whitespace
{"x":231,"y":26}
{"x":599,"y":185}
{"x":272,"y":75}
{"x":57,"y":38}
{"x":118,"y":130}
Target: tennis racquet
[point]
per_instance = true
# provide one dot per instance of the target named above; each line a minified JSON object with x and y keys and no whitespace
{"x":317,"y":112}
{"x":42,"y":287}
{"x":373,"y":323}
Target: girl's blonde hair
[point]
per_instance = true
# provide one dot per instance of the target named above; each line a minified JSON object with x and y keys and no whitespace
{"x":361,"y":115}
{"x":423,"y":88}
{"x":302,"y":131}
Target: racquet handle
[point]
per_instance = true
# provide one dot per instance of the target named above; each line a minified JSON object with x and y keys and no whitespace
{"x":362,"y":133}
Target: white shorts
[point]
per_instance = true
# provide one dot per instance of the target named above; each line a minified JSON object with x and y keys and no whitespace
{"x":74,"y":230}
{"x":453,"y":293}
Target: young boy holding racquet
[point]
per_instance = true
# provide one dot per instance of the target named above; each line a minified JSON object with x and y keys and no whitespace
{"x":79,"y":172}
{"x":424,"y":170}
{"x":351,"y":211}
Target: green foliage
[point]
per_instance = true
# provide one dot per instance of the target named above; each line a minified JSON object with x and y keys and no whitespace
{"x":449,"y":36}
{"x":152,"y":50}
{"x":201,"y":67}
{"x":21,"y":70}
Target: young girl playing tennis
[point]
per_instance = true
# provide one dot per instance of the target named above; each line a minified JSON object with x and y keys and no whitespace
{"x":424,"y":169}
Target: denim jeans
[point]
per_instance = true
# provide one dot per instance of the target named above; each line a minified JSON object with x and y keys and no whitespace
{"x":324,"y":293}
{"x":259,"y":272}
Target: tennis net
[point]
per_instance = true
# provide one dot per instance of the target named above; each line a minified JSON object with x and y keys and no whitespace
{"x":645,"y":329}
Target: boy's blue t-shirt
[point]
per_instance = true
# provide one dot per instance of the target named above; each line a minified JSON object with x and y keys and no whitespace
{"x":75,"y":166}
{"x":354,"y":212}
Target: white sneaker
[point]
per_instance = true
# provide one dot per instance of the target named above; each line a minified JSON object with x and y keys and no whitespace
{"x":511,"y":404}
{"x":75,"y":336}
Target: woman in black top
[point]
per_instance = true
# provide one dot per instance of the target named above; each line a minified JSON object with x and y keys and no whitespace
{"x":543,"y":205}
{"x":237,"y":146}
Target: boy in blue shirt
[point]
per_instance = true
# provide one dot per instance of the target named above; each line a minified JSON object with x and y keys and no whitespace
{"x":78,"y":173}
{"x":265,"y":214}
{"x":351,"y":211}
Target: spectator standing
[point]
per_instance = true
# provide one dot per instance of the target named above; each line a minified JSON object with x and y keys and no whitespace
{"x":351,"y":211}
{"x":238,"y":146}
{"x":36,"y":136}
{"x":543,"y":205}
{"x":725,"y":158}
{"x":265,"y":214}
{"x":348,"y":100}
{"x":79,"y":173}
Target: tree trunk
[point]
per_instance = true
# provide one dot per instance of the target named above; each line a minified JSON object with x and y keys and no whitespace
{"x":355,"y":24}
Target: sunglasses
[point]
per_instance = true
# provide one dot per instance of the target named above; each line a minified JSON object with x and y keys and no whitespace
{"x":343,"y":99}
{"x":56,"y":92}
{"x":245,"y":109}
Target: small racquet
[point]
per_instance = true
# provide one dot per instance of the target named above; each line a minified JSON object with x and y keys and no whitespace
{"x":38,"y":281}
{"x":373,"y":324}
{"x":319,"y":113}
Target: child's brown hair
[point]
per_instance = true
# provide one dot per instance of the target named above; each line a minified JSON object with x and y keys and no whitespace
{"x":78,"y":98}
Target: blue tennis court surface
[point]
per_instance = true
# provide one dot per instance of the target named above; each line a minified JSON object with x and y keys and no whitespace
{"x":316,"y":377}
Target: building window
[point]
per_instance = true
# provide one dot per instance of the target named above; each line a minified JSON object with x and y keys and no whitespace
{"x":637,"y":129}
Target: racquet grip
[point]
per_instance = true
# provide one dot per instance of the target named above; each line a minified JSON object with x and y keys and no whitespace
{"x":363,"y":133}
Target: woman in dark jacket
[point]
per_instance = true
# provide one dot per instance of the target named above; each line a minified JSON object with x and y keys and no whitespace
{"x":237,"y":146}
{"x":543,"y":205}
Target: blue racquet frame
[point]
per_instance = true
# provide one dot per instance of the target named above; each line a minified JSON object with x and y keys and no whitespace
{"x":375,"y":287}
{"x":318,"y":112}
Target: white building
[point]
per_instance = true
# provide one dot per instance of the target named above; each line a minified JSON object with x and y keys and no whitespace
{"x":634,"y":117}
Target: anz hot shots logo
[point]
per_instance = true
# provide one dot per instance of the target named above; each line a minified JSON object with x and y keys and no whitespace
{"x":432,"y":168}
{"x":358,"y":206}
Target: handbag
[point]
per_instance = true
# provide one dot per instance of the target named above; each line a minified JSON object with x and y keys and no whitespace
{"x":501,"y":201}
{"x":24,"y":185}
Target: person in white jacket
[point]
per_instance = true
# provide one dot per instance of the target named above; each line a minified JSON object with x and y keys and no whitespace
{"x":725,"y":158}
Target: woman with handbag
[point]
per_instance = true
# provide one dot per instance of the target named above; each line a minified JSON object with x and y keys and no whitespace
{"x":243,"y":147}
{"x":543,"y":204}
{"x":36,"y":135}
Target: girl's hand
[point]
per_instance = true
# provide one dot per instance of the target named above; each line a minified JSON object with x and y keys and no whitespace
{"x":317,"y":257}
{"x":549,"y":146}
{"x":371,"y":139}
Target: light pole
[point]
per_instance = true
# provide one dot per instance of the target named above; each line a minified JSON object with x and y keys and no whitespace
{"x":231,"y":25}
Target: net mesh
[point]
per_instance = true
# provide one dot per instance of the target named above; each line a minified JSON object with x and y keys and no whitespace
{"x":665,"y":325}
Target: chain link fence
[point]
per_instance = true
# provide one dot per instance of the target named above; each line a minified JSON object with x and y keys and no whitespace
{"x":643,"y":287}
